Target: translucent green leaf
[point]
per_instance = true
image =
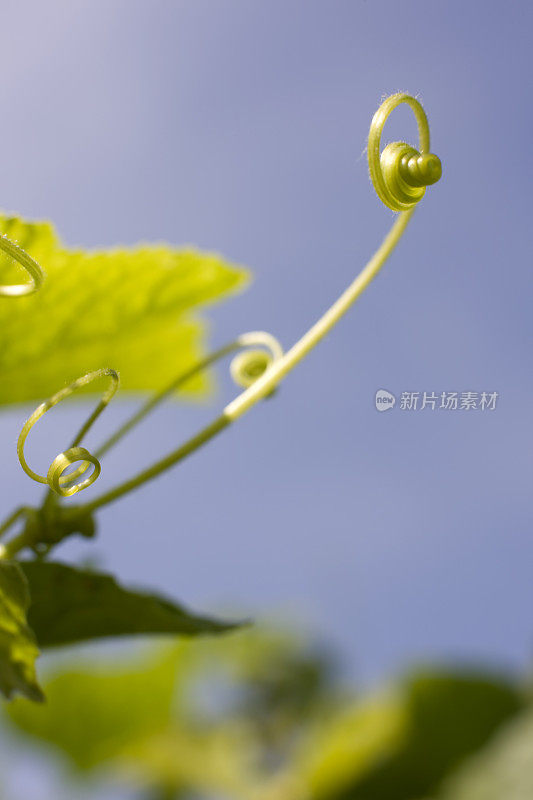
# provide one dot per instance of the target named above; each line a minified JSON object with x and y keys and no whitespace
{"x":18,"y":649}
{"x":91,"y":715}
{"x":71,"y":605}
{"x":125,"y":308}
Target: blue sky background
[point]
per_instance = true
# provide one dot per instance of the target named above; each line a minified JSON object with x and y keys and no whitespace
{"x":241,"y":127}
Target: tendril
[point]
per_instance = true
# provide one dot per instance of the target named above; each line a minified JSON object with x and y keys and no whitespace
{"x":61,"y":484}
{"x":401,"y":173}
{"x":249,"y":365}
{"x":399,"y":177}
{"x":33,"y":269}
{"x":246,"y":366}
{"x":271,"y":351}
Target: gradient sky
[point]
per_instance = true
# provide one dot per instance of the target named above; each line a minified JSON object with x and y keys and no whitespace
{"x":241,"y":127}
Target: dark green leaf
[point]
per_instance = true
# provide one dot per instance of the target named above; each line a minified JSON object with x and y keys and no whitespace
{"x":72,"y":605}
{"x":18,"y":649}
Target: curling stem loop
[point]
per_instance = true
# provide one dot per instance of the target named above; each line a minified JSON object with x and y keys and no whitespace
{"x":401,"y":173}
{"x":61,"y":484}
{"x":27,"y":263}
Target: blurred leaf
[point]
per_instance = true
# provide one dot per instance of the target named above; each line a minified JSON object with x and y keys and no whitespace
{"x":245,"y":703}
{"x":122,"y":308}
{"x":72,"y":605}
{"x":220,"y":759}
{"x":501,"y":771}
{"x":250,"y":740}
{"x":91,"y":715}
{"x":187,"y":748}
{"x":447,"y":717}
{"x":359,"y":737}
{"x":18,"y":649}
{"x":290,"y":686}
{"x":277,"y":678}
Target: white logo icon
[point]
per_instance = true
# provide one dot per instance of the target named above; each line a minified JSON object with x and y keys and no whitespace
{"x":384,"y":400}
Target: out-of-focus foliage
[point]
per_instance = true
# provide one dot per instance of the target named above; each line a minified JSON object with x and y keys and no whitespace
{"x":72,"y":605}
{"x":92,"y":715}
{"x":123,"y":308}
{"x":260,"y":716}
{"x":445,"y":717}
{"x":501,"y":771}
{"x":344,"y":749}
{"x":18,"y":649}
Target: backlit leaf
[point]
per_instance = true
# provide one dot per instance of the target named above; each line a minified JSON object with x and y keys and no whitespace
{"x":125,"y":308}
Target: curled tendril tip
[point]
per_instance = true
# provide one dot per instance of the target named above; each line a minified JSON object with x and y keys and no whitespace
{"x":248,"y":366}
{"x":58,"y":479}
{"x":401,"y":173}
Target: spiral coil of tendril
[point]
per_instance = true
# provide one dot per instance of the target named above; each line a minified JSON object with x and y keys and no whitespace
{"x":58,"y":482}
{"x":245,"y":368}
{"x":27,"y":263}
{"x":401,"y":173}
{"x":248,"y":366}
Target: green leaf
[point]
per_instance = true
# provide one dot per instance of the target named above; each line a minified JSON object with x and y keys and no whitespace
{"x":446,"y":718}
{"x":501,"y":771}
{"x":91,"y":715}
{"x":71,"y":605}
{"x":18,"y":649}
{"x":191,"y":761}
{"x":123,"y":308}
{"x":356,"y":738}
